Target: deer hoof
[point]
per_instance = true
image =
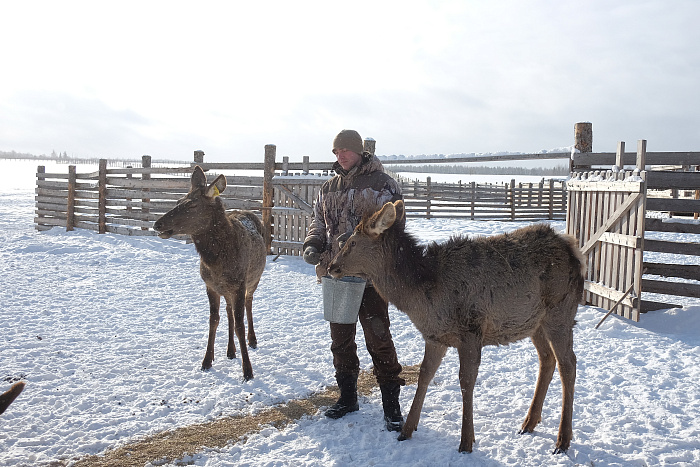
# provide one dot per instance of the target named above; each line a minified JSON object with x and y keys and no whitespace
{"x":559,"y":451}
{"x":253,"y":344}
{"x":206,"y":366}
{"x":524,"y":431}
{"x":231,"y":355}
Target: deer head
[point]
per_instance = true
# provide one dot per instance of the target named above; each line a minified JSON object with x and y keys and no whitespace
{"x":362,"y":253}
{"x":195,"y":212}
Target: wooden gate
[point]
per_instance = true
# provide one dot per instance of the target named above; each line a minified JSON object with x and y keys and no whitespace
{"x":294,"y":197}
{"x":606,"y":213}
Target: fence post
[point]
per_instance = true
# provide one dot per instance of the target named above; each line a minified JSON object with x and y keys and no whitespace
{"x":512,"y":199}
{"x":620,"y":156}
{"x":551,"y":199}
{"x":473,"y":187}
{"x":641,"y":155}
{"x":102,"y":197}
{"x":583,"y":141}
{"x":129,"y":176}
{"x":268,"y":193}
{"x":305,"y":165}
{"x":285,"y":165}
{"x":40,"y":170}
{"x":427,"y":197}
{"x":369,"y":145}
{"x":199,"y":156}
{"x":70,"y":207}
{"x":146,"y":164}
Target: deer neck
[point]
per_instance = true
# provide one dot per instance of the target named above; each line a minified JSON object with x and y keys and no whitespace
{"x":406,"y":274}
{"x":216,"y":241}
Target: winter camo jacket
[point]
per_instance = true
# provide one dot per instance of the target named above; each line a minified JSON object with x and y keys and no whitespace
{"x":343,"y":200}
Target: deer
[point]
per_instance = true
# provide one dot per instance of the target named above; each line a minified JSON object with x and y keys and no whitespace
{"x":7,"y":397}
{"x":468,"y":293}
{"x":232,"y":259}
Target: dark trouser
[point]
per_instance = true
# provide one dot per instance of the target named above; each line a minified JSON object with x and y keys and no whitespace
{"x":374,"y":318}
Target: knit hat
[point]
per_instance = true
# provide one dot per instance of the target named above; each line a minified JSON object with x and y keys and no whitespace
{"x":348,"y":139}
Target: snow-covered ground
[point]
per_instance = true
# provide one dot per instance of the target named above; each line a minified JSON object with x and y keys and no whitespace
{"x":108,"y":332}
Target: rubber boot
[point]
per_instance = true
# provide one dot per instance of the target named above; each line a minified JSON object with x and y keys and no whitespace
{"x":392,"y":410}
{"x":347,"y":383}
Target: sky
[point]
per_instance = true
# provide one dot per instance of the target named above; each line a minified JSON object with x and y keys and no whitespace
{"x":120,"y":80}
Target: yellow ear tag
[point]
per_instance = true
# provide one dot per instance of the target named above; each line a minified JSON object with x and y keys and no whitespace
{"x":216,"y":191}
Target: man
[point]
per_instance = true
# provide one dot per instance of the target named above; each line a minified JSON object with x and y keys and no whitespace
{"x":360,"y":186}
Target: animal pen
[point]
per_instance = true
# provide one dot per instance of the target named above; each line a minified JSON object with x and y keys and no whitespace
{"x":609,"y":211}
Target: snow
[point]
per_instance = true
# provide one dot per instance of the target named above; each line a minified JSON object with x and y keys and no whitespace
{"x":108,"y":333}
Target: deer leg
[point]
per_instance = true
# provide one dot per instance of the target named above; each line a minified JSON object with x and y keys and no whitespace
{"x":434,"y":353}
{"x":231,"y":348}
{"x":547,"y":365}
{"x":214,"y":303}
{"x":469,"y":361}
{"x":237,"y":313}
{"x":563,"y":346}
{"x":252,"y":340}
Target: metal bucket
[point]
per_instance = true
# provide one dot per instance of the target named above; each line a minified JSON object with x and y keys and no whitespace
{"x":342,"y":298}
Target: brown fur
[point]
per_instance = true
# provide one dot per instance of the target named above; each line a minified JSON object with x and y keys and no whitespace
{"x":468,"y":293}
{"x":232,"y":254}
{"x":10,"y":395}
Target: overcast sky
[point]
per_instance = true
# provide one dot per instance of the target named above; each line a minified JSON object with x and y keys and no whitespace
{"x":123,"y":79}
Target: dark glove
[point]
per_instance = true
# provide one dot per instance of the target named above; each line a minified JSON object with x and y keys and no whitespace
{"x":311,"y":255}
{"x":343,"y":238}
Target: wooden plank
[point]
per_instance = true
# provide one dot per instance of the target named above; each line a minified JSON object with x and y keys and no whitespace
{"x":662,"y":246}
{"x":63,"y":194}
{"x":50,"y":213}
{"x":53,"y":185}
{"x":685,"y":271}
{"x":671,"y":225}
{"x":154,"y":184}
{"x":682,"y":289}
{"x":639,"y":213}
{"x":50,"y":221}
{"x":661,"y":180}
{"x":673,"y":205}
{"x":129,"y":222}
{"x":585,"y":185}
{"x":649,"y":305}
{"x":630,"y":158}
{"x":306,"y":180}
{"x":121,"y":230}
{"x":608,"y":292}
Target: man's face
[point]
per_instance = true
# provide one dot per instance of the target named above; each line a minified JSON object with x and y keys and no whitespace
{"x":347,"y":158}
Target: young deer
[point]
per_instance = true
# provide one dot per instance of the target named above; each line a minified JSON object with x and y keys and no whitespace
{"x":232,"y":258}
{"x":468,"y":293}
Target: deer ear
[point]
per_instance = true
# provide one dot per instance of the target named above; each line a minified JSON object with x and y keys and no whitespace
{"x":199,"y":180}
{"x":217,"y":186}
{"x":382,"y":220}
{"x":400,"y":211}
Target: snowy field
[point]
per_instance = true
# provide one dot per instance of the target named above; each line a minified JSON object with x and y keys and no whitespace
{"x":108,"y":332}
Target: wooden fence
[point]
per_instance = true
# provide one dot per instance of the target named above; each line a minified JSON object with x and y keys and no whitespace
{"x":128,"y":201}
{"x":125,"y":200}
{"x":487,"y":201}
{"x":622,"y":218}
